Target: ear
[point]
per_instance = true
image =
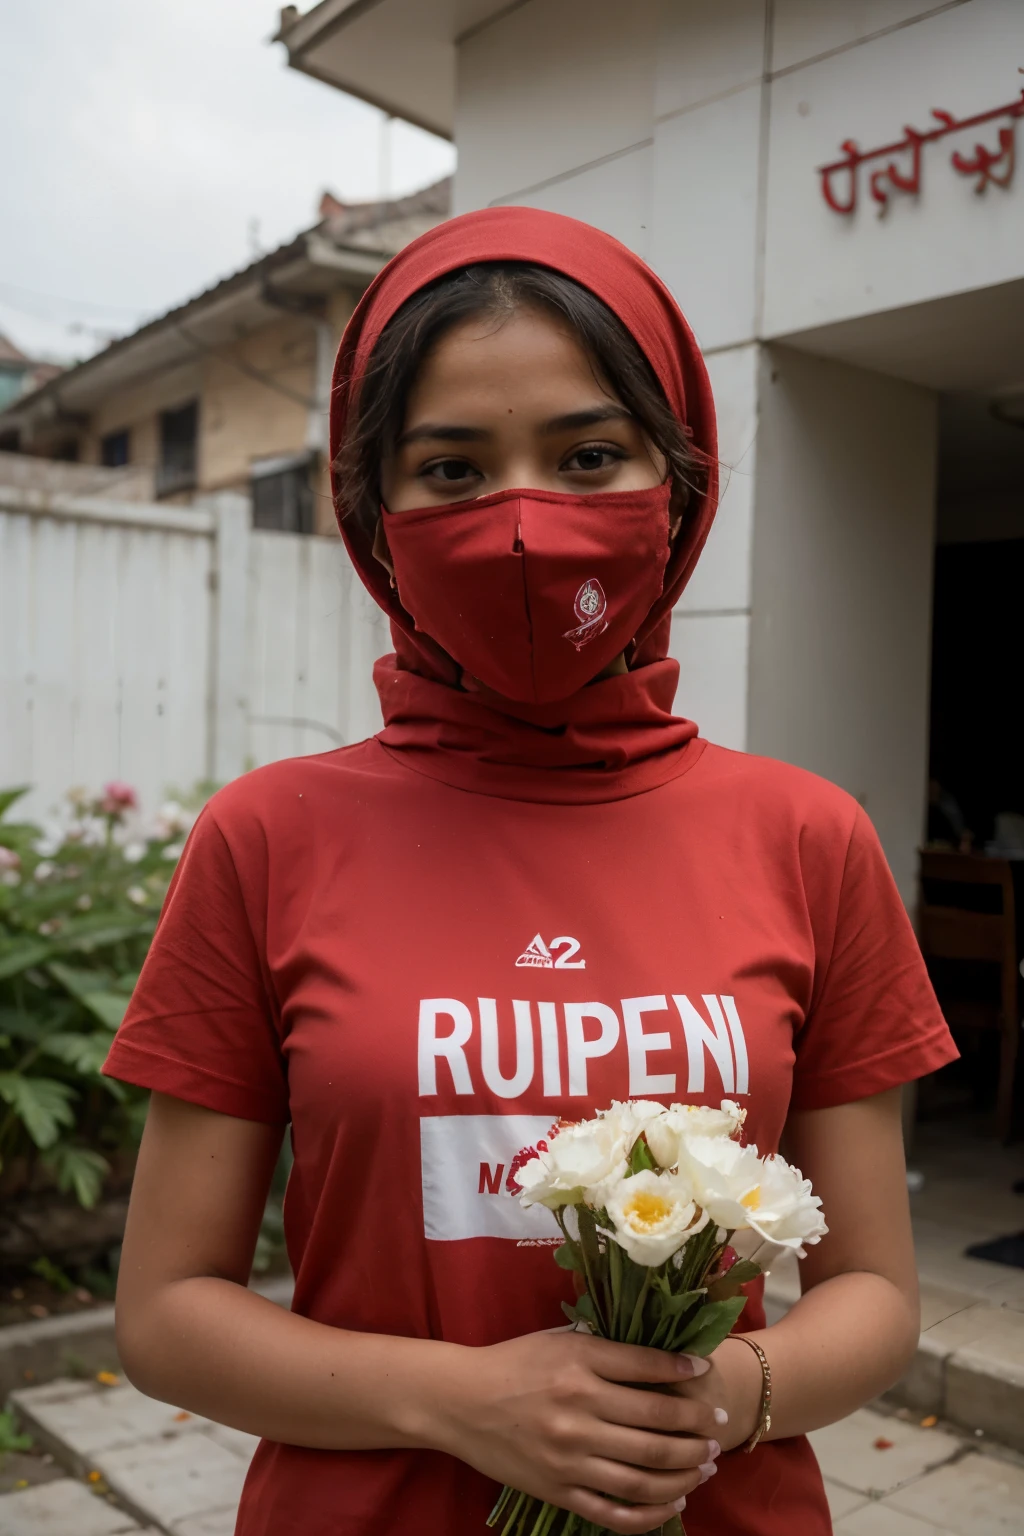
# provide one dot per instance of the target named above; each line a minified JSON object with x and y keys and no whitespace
{"x":381,"y":552}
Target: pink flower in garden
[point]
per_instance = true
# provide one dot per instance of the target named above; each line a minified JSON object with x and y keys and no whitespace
{"x":118,"y":797}
{"x":9,"y":859}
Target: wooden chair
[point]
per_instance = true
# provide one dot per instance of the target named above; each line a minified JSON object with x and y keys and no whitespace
{"x":954,"y":932}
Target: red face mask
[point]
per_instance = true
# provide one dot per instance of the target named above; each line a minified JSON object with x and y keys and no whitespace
{"x":533,"y":592}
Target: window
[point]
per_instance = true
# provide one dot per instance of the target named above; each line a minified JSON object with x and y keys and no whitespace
{"x":282,"y":493}
{"x":179,"y":432}
{"x":114,"y":449}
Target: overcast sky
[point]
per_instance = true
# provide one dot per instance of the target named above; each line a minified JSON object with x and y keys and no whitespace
{"x":140,"y":140}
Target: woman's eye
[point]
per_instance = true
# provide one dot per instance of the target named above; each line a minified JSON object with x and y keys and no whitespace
{"x":449,"y":470}
{"x":591,"y":459}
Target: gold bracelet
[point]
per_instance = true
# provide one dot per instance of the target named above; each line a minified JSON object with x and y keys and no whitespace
{"x":764,"y":1417}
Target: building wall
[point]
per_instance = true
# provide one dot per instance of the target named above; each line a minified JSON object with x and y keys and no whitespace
{"x":693,"y":133}
{"x":266,"y":393}
{"x":844,"y":530}
{"x":137,"y":408}
{"x":819,"y":266}
{"x":241,"y":416}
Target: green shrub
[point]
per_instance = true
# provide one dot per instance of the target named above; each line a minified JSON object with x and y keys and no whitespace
{"x":79,"y":899}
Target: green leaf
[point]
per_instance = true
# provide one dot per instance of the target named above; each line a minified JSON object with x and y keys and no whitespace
{"x":21,"y":1026}
{"x":22,"y":954}
{"x":681,"y":1302}
{"x":588,"y":1233}
{"x":9,"y":796}
{"x":743,"y":1271}
{"x":640,"y":1159}
{"x":80,"y":1170}
{"x":568,"y":1256}
{"x":52,"y":1273}
{"x":83,"y":940}
{"x":92,"y":989}
{"x":10,"y":1439}
{"x":711,"y":1325}
{"x":40,"y":1103}
{"x":86,"y":1053}
{"x":583,"y":1312}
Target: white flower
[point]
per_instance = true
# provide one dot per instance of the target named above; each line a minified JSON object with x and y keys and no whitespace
{"x":133,"y":852}
{"x":681,"y":1121}
{"x":51,"y":842}
{"x":577,"y":1163}
{"x":170,"y":819}
{"x":43,"y":870}
{"x":173,"y":851}
{"x":654,"y":1215}
{"x":739,"y":1189}
{"x":136,"y":894}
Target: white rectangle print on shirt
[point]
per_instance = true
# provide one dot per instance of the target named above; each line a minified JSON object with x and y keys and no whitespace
{"x":465,"y":1161}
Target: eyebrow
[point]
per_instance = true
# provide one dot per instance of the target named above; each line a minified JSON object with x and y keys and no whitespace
{"x":443,"y":432}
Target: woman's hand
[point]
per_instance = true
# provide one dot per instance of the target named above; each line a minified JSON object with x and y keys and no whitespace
{"x":551,"y":1414}
{"x":732,"y":1382}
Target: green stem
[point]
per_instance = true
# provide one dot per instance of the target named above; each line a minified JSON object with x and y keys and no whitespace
{"x":510,"y":1522}
{"x":615,"y":1271}
{"x":636,"y":1322}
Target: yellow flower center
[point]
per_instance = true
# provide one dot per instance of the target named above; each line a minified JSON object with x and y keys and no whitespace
{"x":645,"y":1211}
{"x":752,"y":1199}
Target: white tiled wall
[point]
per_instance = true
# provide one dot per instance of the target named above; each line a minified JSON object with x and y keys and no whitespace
{"x":803,"y":29}
{"x":615,"y":196}
{"x":821,"y":266}
{"x":705,"y":214}
{"x":705,"y":50}
{"x":548,"y":89}
{"x":721,"y":582}
{"x":712,"y":653}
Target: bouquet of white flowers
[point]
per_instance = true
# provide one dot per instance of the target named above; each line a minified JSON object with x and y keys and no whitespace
{"x":665,"y":1216}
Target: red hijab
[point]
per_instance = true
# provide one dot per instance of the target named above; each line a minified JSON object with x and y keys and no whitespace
{"x":621,"y":721}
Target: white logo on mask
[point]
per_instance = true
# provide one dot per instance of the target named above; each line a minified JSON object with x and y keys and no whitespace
{"x":591,"y":608}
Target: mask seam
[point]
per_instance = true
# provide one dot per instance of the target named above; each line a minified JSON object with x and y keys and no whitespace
{"x":526,"y":595}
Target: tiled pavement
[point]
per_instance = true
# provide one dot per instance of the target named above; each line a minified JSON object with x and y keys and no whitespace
{"x":142,"y":1466}
{"x":888,"y":1477}
{"x":139,"y":1464}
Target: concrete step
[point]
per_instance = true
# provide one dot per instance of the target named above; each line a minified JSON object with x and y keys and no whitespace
{"x":164,"y":1469}
{"x":969,"y":1365}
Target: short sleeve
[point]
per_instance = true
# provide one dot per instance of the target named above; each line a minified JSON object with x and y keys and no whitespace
{"x":874,"y":1022}
{"x":200,"y":1025}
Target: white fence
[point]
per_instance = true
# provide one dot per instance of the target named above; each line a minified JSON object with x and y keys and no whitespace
{"x":166,"y":645}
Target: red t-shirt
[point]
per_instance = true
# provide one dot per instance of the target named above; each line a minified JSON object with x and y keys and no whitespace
{"x":421,"y":978}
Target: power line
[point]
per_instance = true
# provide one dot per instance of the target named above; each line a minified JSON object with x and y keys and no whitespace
{"x":53,"y":298}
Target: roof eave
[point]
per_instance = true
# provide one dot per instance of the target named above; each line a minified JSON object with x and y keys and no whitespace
{"x":157,"y":346}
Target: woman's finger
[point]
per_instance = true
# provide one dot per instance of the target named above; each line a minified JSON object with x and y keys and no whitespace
{"x":634,"y":1362}
{"x":658,"y":1453}
{"x":638,"y":1485}
{"x":663,"y":1413}
{"x":608,"y":1514}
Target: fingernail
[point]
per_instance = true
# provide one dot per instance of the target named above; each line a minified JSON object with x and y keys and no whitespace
{"x":707,"y":1470}
{"x":680,"y":1505}
{"x":721,"y":1417}
{"x":692,"y":1365}
{"x":714,"y":1450}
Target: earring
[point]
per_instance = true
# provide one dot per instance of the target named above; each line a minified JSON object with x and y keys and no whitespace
{"x":394,"y":584}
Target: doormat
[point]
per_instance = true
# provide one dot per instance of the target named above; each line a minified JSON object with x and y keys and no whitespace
{"x":1000,"y":1250}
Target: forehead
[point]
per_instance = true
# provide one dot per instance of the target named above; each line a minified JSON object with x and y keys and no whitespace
{"x":489,"y":358}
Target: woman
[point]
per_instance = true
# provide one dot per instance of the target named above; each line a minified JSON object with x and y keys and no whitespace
{"x":535,"y":891}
